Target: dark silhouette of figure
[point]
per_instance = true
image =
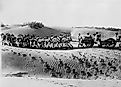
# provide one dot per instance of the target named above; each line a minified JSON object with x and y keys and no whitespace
{"x":60,"y":65}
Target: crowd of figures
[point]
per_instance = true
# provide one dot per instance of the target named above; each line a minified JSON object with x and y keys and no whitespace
{"x":62,"y":41}
{"x":33,"y":41}
{"x":90,"y":40}
{"x":88,"y":68}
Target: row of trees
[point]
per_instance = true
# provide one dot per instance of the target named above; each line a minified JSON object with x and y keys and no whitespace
{"x":35,"y":25}
{"x":109,"y":28}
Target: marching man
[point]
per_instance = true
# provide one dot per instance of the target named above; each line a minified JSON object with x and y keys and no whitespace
{"x":98,"y":38}
{"x":118,"y":38}
{"x":80,"y":40}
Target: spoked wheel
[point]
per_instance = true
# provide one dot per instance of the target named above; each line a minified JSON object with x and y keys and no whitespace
{"x":109,"y":43}
{"x":89,"y":44}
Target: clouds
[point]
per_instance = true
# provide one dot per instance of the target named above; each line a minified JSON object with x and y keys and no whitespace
{"x":64,"y":12}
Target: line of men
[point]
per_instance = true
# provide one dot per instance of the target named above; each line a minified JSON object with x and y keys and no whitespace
{"x":33,"y":41}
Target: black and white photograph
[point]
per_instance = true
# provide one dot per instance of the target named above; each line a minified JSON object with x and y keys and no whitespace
{"x":60,"y":43}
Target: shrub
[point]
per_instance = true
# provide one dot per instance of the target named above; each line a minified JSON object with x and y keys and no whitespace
{"x":2,"y":25}
{"x":36,"y":25}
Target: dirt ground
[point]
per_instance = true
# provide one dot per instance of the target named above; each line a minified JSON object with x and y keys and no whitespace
{"x":11,"y":61}
{"x":43,"y":82}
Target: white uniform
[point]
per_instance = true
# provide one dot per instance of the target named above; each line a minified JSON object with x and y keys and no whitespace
{"x":80,"y":38}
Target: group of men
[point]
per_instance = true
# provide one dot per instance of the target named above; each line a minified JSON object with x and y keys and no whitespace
{"x":96,"y":37}
{"x":53,"y":41}
{"x":33,"y":41}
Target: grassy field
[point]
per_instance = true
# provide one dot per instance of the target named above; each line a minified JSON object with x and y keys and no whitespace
{"x":12,"y":62}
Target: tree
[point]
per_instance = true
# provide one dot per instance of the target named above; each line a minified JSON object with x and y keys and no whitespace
{"x":2,"y":25}
{"x":36,"y":25}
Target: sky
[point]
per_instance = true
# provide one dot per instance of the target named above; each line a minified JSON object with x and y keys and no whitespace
{"x":69,"y":13}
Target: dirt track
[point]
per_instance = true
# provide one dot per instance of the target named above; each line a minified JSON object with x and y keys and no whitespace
{"x":33,"y":82}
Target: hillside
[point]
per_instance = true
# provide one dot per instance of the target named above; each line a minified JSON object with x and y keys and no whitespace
{"x":42,"y":32}
{"x":20,"y":65}
{"x":13,"y":59}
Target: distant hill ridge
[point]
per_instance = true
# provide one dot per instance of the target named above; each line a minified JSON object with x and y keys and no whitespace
{"x":109,"y":28}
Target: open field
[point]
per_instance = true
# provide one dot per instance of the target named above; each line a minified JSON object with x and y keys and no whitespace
{"x":22,"y":65}
{"x":12,"y":62}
